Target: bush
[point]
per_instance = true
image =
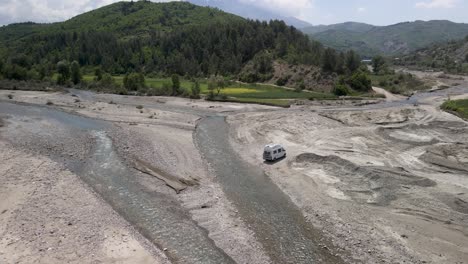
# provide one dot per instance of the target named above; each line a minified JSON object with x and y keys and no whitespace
{"x":134,"y":81}
{"x":341,"y":90}
{"x":175,"y":85}
{"x":139,"y":107}
{"x":360,"y":81}
{"x":283,"y":80}
{"x":63,"y":69}
{"x":195,"y":91}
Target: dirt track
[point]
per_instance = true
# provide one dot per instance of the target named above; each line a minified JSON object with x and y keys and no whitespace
{"x":387,"y":185}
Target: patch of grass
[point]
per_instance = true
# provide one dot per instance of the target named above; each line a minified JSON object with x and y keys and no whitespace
{"x":264,"y":91}
{"x":235,"y":92}
{"x":459,"y":107}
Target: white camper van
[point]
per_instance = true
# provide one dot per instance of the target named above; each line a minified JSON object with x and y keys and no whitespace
{"x":273,"y":152}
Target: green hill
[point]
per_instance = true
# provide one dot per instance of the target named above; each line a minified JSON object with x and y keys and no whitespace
{"x":397,"y":39}
{"x":451,"y":57}
{"x":174,"y":37}
{"x":125,"y":18}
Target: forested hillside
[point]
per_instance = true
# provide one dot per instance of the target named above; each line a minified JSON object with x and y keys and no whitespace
{"x":398,"y":39}
{"x":451,"y":57}
{"x":148,"y":37}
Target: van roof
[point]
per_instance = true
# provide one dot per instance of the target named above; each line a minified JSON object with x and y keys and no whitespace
{"x":272,"y":146}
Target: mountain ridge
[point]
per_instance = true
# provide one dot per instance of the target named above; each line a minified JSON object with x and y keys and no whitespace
{"x":251,"y":12}
{"x":397,"y":39}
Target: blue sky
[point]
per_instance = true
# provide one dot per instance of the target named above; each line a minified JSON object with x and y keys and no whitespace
{"x":378,"y":12}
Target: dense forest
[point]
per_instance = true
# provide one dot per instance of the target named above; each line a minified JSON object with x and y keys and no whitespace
{"x":163,"y":39}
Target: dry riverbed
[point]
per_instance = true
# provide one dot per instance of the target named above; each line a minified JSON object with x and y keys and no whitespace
{"x":389,"y":185}
{"x":386,"y":185}
{"x":157,"y":131}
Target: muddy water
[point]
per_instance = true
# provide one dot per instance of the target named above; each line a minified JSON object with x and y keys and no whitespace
{"x":158,"y":217}
{"x":276,"y":221}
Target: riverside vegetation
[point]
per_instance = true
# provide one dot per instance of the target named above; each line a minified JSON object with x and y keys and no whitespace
{"x":174,"y":49}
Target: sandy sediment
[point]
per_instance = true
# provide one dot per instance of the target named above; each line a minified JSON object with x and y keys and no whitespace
{"x":159,"y":132}
{"x":47,"y":215}
{"x":388,"y":185}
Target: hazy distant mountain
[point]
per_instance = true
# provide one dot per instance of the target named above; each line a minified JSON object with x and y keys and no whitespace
{"x":396,"y":39}
{"x":250,"y":11}
{"x":348,"y":26}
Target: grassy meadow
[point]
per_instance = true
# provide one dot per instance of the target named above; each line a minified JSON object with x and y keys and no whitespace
{"x":236,"y":92}
{"x":460,"y":107}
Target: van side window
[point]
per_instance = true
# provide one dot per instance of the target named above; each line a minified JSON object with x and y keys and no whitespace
{"x":274,"y":152}
{"x":279,"y":150}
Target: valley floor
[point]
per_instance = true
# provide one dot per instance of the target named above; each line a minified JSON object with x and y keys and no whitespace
{"x":385,"y":183}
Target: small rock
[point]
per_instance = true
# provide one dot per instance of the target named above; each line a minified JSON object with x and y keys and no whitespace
{"x":164,"y":249}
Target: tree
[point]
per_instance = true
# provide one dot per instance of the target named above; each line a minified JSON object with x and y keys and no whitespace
{"x":220,"y":84}
{"x":329,"y":60}
{"x":352,"y":61}
{"x":98,"y":73}
{"x":175,"y":85}
{"x":63,"y":69}
{"x":107,"y":81}
{"x":263,"y":63}
{"x":134,"y":81}
{"x":212,"y":85}
{"x":378,"y":64}
{"x":195,"y":91}
{"x":359,"y":81}
{"x":466,"y":58}
{"x":341,"y":90}
{"x":75,"y":72}
{"x":15,"y":72}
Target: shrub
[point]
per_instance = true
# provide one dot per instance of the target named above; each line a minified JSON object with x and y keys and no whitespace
{"x":134,"y":81}
{"x":49,"y":102}
{"x":283,"y":80}
{"x":10,"y":96}
{"x":341,"y":90}
{"x":360,"y":81}
{"x":175,"y":84}
{"x":195,"y":91}
{"x":139,"y":107}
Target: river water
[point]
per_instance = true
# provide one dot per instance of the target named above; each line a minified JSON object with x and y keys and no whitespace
{"x":277,"y":222}
{"x":159,"y":217}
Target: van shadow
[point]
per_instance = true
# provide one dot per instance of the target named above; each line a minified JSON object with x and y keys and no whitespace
{"x":268,"y":162}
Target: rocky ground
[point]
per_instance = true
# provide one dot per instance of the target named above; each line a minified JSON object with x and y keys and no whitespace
{"x":387,"y":184}
{"x":47,"y":215}
{"x":152,"y":130}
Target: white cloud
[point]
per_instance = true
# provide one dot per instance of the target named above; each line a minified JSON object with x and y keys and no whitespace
{"x":361,"y":9}
{"x":12,"y":11}
{"x":295,"y":8}
{"x":437,"y":4}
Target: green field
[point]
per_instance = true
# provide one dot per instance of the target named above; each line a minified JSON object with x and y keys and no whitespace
{"x":237,"y":92}
{"x":460,"y":107}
